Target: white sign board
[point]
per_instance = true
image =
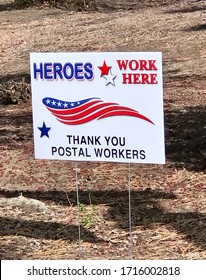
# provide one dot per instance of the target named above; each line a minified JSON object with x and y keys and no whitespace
{"x":98,"y":106}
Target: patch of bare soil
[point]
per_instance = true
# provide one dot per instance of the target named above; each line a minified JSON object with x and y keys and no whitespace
{"x":168,"y":201}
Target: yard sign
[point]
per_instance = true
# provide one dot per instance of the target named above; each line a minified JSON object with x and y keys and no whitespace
{"x":98,"y":106}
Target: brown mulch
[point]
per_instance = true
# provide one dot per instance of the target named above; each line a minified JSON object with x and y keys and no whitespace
{"x":168,"y":202}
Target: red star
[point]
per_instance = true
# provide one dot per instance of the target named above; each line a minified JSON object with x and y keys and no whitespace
{"x":104,"y":69}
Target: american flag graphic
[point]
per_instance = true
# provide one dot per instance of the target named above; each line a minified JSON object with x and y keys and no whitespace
{"x":86,"y":110}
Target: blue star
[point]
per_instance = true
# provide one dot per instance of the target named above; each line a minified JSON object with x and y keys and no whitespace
{"x":44,"y":130}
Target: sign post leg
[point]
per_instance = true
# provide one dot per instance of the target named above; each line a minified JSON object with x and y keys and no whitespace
{"x":78,"y":208}
{"x":129,"y":214}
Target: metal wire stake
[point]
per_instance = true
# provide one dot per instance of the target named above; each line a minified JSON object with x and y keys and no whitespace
{"x":130,"y":216}
{"x":78,"y":212}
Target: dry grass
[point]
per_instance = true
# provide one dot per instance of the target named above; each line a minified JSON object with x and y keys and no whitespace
{"x":168,"y":202}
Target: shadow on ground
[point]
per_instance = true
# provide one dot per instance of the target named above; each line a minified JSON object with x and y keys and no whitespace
{"x":186,"y":137}
{"x":190,"y":9}
{"x":78,"y":5}
{"x":15,"y":88}
{"x":199,"y":27}
{"x":15,"y":128}
{"x":44,"y":230}
{"x":8,"y":7}
{"x":17,"y":77}
{"x":145,"y":208}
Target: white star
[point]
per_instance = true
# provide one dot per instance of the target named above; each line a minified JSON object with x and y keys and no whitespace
{"x":48,"y":101}
{"x":110,"y":78}
{"x":72,"y":104}
{"x":59,"y":104}
{"x":65,"y":105}
{"x":53,"y":103}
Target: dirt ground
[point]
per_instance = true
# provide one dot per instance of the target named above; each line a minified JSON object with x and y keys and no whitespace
{"x":168,"y":201}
